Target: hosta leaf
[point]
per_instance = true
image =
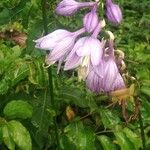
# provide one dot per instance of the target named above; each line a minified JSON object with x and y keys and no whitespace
{"x":18,"y":109}
{"x":106,"y":143}
{"x":20,"y":135}
{"x":66,"y":144}
{"x":123,"y":141}
{"x":133,"y":138}
{"x":75,"y":96}
{"x":20,"y":72}
{"x":109,"y":118}
{"x":145,"y":90}
{"x":81,"y":136}
{"x":4,"y":16}
{"x":145,"y":109}
{"x":7,"y":139}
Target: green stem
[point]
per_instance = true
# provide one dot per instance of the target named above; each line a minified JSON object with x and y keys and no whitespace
{"x":45,"y":23}
{"x":142,"y":130}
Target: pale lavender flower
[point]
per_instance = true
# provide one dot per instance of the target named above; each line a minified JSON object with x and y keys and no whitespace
{"x":91,"y":20}
{"x":94,"y":81}
{"x":112,"y":79}
{"x":59,"y":42}
{"x":87,"y":51}
{"x":113,"y":12}
{"x":108,"y":78}
{"x":70,"y":7}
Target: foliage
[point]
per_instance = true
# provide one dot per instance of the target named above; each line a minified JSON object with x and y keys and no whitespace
{"x":85,"y":122}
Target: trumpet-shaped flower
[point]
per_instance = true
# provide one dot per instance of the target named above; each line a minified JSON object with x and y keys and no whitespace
{"x":108,"y":78}
{"x":91,"y":20}
{"x":94,"y":80}
{"x":60,"y":42}
{"x":69,"y":7}
{"x":113,"y":12}
{"x":87,"y":51}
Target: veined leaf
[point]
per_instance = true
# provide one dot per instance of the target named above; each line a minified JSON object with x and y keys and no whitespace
{"x":133,"y":138}
{"x":123,"y":141}
{"x":18,"y":109}
{"x":79,"y":135}
{"x":106,"y":143}
{"x":20,"y":135}
{"x":109,"y":118}
{"x":7,"y":138}
{"x":145,"y":90}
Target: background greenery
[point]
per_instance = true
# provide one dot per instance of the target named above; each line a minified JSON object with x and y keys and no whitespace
{"x":83,"y":120}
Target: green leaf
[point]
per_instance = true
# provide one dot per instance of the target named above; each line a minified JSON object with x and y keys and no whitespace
{"x":66,"y":144}
{"x":20,"y":135}
{"x":4,"y":16}
{"x":109,"y":118}
{"x":145,"y":90}
{"x":20,"y":72}
{"x":123,"y":141}
{"x":18,"y":109}
{"x":81,"y":136}
{"x":133,"y":138}
{"x":145,"y":109}
{"x":1,"y":135}
{"x":106,"y":143}
{"x":7,"y":138}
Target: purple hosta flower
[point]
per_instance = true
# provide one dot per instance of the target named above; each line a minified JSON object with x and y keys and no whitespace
{"x":69,"y":7}
{"x":60,"y":42}
{"x":112,"y":79}
{"x":105,"y":77}
{"x":94,"y":80}
{"x":87,"y":51}
{"x":113,"y":12}
{"x":91,"y":20}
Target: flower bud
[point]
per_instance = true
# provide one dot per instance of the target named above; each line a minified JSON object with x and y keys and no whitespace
{"x":91,"y":20}
{"x":70,"y":7}
{"x":113,"y":12}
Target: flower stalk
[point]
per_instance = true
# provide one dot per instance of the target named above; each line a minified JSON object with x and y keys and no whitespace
{"x":50,"y":79}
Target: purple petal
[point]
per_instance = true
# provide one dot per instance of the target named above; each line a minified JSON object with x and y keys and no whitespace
{"x":85,"y":49}
{"x":77,"y":45}
{"x":114,"y":13}
{"x":96,"y":52}
{"x":90,"y":21}
{"x":67,"y":7}
{"x":118,"y":83}
{"x":73,"y":62}
{"x":110,"y":75}
{"x":49,"y":41}
{"x":93,"y":82}
{"x":62,"y":48}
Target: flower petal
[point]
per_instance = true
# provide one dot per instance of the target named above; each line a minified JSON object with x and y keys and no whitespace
{"x":49,"y":41}
{"x":110,"y":75}
{"x":85,"y":49}
{"x":62,"y":48}
{"x":96,"y":52}
{"x":73,"y":62}
{"x":90,"y":20}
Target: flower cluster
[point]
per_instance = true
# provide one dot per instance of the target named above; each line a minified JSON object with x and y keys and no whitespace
{"x":92,"y":56}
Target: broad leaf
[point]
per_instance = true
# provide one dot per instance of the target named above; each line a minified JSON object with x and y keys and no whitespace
{"x":18,"y":109}
{"x":106,"y":143}
{"x":81,"y":136}
{"x":20,"y":135}
{"x":7,"y":138}
{"x":109,"y":118}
